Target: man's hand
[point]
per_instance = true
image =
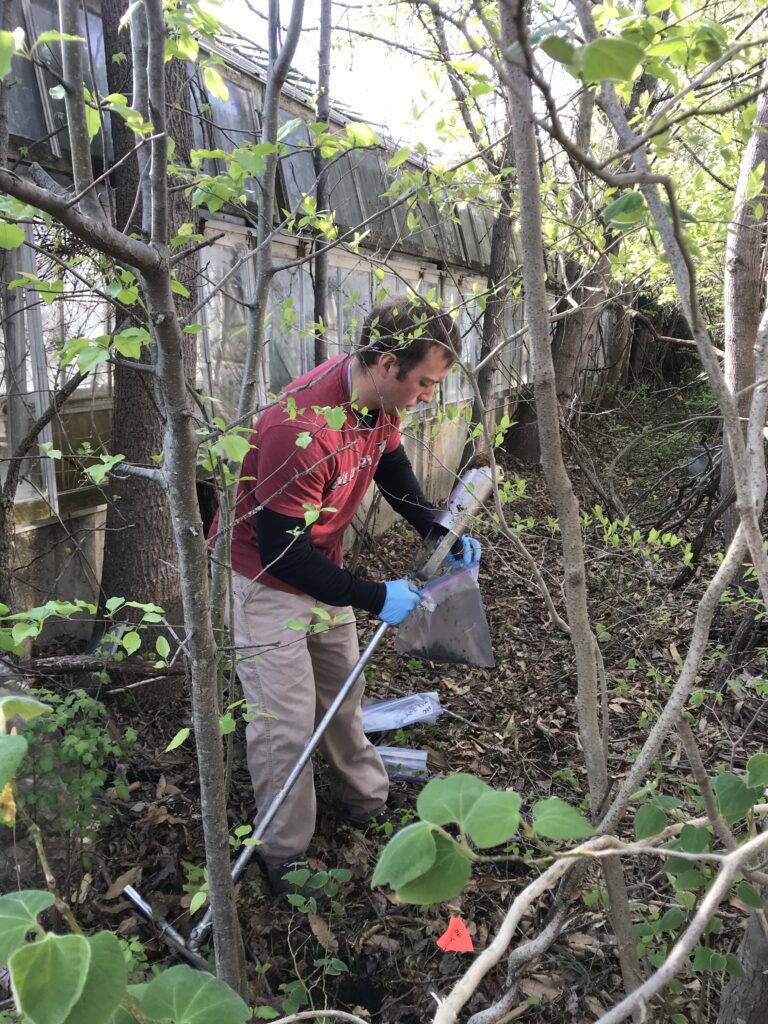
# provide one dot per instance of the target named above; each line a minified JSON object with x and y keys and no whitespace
{"x":468,"y":556}
{"x":402,"y":597}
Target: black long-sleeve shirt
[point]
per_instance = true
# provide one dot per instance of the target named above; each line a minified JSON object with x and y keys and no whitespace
{"x":285,"y":543}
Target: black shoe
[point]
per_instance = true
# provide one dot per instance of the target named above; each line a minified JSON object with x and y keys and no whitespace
{"x":295,"y":878}
{"x":279,"y":883}
{"x":376,"y":820}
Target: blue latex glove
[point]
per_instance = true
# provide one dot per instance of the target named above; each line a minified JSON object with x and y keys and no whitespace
{"x":402,"y":597}
{"x":470,"y":554}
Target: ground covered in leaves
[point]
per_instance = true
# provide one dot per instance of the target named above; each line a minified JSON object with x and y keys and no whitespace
{"x":514,"y":726}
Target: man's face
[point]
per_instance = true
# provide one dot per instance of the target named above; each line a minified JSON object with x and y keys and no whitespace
{"x":416,"y":385}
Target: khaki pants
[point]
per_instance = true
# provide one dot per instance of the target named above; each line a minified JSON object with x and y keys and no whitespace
{"x":289,"y":678}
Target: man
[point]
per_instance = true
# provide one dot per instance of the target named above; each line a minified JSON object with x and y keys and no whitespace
{"x":313,"y":457}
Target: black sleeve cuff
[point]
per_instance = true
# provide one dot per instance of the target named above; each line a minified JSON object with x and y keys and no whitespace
{"x":287,"y":554}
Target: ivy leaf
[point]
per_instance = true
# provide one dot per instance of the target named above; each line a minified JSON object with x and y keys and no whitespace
{"x":186,"y":996}
{"x":610,"y":60}
{"x":446,"y":878}
{"x":556,"y":819}
{"x":410,"y":853}
{"x":11,"y":235}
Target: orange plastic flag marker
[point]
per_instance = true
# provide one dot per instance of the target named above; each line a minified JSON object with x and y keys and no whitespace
{"x":456,"y":937}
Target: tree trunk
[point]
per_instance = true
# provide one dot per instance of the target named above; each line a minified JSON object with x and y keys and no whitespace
{"x":743,"y":1000}
{"x":497,"y":292}
{"x":323,"y":115}
{"x":743,"y":288}
{"x":139,"y":556}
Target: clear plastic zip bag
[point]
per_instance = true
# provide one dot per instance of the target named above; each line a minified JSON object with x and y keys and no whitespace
{"x":450,"y":624}
{"x":399,"y":712}
{"x":403,"y":764}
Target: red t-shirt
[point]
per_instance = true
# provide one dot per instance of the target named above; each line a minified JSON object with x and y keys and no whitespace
{"x":298,"y":459}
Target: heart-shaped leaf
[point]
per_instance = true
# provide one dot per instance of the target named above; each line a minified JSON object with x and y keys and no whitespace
{"x":18,"y":915}
{"x":48,"y":977}
{"x":556,"y":819}
{"x":410,"y":853}
{"x":446,"y":878}
{"x":185,"y":996}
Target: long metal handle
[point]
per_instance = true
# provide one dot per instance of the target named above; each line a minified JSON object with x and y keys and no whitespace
{"x":201,"y":930}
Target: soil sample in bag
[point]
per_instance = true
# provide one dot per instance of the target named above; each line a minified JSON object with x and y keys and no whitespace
{"x":450,"y":624}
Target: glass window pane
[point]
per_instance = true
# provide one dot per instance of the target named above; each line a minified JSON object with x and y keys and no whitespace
{"x":297,"y":170}
{"x":221,"y":362}
{"x":355,"y":302}
{"x":290,"y":342}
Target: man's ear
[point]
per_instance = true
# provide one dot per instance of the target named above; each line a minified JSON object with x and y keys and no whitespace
{"x":387,"y":362}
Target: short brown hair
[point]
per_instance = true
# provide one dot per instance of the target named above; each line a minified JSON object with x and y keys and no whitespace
{"x":408,"y":326}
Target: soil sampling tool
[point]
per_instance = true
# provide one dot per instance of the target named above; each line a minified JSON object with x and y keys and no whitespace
{"x":467,"y":498}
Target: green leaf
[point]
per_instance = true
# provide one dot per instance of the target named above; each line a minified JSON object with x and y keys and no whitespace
{"x":410,"y":853}
{"x":556,"y":819}
{"x":48,"y":977}
{"x":757,"y":771}
{"x":361,"y":134}
{"x":7,"y":50}
{"x":733,"y":967}
{"x":105,"y":982}
{"x":20,"y":707}
{"x":186,"y":996}
{"x":690,"y":879}
{"x":12,"y":751}
{"x":178,"y":739}
{"x":304,"y":439}
{"x":626,"y":211}
{"x":131,"y":641}
{"x":446,"y":800}
{"x":335,"y":418}
{"x":734,"y":798}
{"x":18,"y":915}
{"x":162,"y":647}
{"x":656,"y":6}
{"x":493,"y":819}
{"x":747,"y":893}
{"x":11,"y":235}
{"x":649,"y":821}
{"x":671,"y":920}
{"x":694,"y":839}
{"x":236,"y":446}
{"x":399,"y":157}
{"x":446,"y":878}
{"x":92,"y":117}
{"x":215,"y":84}
{"x":559,"y":49}
{"x":56,"y":37}
{"x":610,"y":60}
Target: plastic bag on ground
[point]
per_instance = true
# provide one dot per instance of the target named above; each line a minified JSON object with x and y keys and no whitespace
{"x":399,"y":712}
{"x":450,"y":623}
{"x":404,"y":764}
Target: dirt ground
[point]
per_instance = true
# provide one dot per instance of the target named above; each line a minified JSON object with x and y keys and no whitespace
{"x":514,"y":726}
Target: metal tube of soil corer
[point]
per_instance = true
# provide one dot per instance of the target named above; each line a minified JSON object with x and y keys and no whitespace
{"x":167,"y":930}
{"x":198,"y":933}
